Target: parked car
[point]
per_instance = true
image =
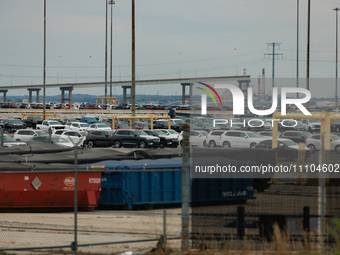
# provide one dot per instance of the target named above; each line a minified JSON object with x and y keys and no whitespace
{"x":26,"y":134}
{"x":98,"y":126}
{"x":133,"y":138}
{"x":335,"y":126}
{"x":313,"y":143}
{"x":89,"y":120}
{"x":196,"y":138}
{"x":143,"y":125}
{"x":98,"y":138}
{"x":10,"y":142}
{"x":75,"y":137}
{"x":46,"y":139}
{"x":286,"y":148}
{"x":296,"y":136}
{"x":33,"y":121}
{"x":165,"y":140}
{"x":311,"y":125}
{"x":240,"y":139}
{"x":122,"y":125}
{"x":50,"y":125}
{"x":78,"y":126}
{"x":213,"y":138}
{"x":12,"y":124}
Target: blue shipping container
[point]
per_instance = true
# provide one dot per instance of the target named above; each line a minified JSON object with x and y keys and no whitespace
{"x":126,"y":189}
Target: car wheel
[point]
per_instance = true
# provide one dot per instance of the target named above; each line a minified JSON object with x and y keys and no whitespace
{"x":142,"y":144}
{"x":337,"y":149}
{"x":226,"y":144}
{"x":311,"y":147}
{"x":117,"y":144}
{"x":253,"y":145}
{"x":212,"y":143}
{"x":90,"y":144}
{"x":205,"y":144}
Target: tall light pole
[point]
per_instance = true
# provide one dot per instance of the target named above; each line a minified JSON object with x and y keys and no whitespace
{"x":106,"y":50}
{"x":308,"y":49}
{"x":297,"y":47}
{"x":44,"y":77}
{"x":112,"y":2}
{"x":336,"y":55}
{"x":133,"y":69}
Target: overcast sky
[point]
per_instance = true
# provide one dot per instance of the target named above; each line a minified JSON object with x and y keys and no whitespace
{"x":177,"y":38}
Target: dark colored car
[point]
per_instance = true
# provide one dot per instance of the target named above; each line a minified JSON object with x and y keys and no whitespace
{"x":98,"y":138}
{"x":165,"y":140}
{"x":32,"y":121}
{"x":133,"y":138}
{"x":296,"y":136}
{"x":335,"y":126}
{"x":286,"y":148}
{"x":13,"y":124}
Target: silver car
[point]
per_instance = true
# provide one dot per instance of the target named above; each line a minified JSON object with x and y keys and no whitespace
{"x":313,"y":143}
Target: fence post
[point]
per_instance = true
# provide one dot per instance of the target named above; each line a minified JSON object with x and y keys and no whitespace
{"x":240,"y":222}
{"x":306,"y":219}
{"x":2,"y":137}
{"x":185,"y":187}
{"x":164,"y":229}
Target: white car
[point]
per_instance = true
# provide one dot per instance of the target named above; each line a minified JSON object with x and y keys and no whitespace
{"x":78,"y":126}
{"x":196,"y":138}
{"x":240,"y":139}
{"x":311,"y":125}
{"x":170,"y":133}
{"x":75,"y":137}
{"x":98,"y":126}
{"x":50,"y":124}
{"x":26,"y":134}
{"x":313,"y":143}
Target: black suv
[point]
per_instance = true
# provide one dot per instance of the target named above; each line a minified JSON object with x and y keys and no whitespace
{"x":133,"y":138}
{"x":98,"y":138}
{"x":296,"y":136}
{"x":13,"y":124}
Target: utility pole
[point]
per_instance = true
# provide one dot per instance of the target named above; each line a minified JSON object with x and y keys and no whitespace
{"x":133,"y":71}
{"x":297,"y":47}
{"x":273,"y":56}
{"x":308,"y":48}
{"x":336,"y":55}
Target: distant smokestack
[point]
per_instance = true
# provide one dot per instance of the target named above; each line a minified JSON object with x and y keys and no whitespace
{"x":259,"y":86}
{"x":263,"y":84}
{"x":244,"y":71}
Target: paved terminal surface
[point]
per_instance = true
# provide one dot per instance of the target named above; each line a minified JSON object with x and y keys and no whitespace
{"x":99,"y":226}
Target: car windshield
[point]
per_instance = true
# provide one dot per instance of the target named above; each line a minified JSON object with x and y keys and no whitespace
{"x":335,"y":137}
{"x":178,"y":121}
{"x":140,"y":132}
{"x":37,"y":118}
{"x":54,"y":123}
{"x":84,"y":125}
{"x":159,"y":132}
{"x":124,"y":125}
{"x":289,"y":143}
{"x":336,"y":122}
{"x":14,"y":121}
{"x":40,"y":132}
{"x":314,"y":121}
{"x":101,"y":126}
{"x":173,"y":132}
{"x":204,"y":133}
{"x":91,"y":119}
